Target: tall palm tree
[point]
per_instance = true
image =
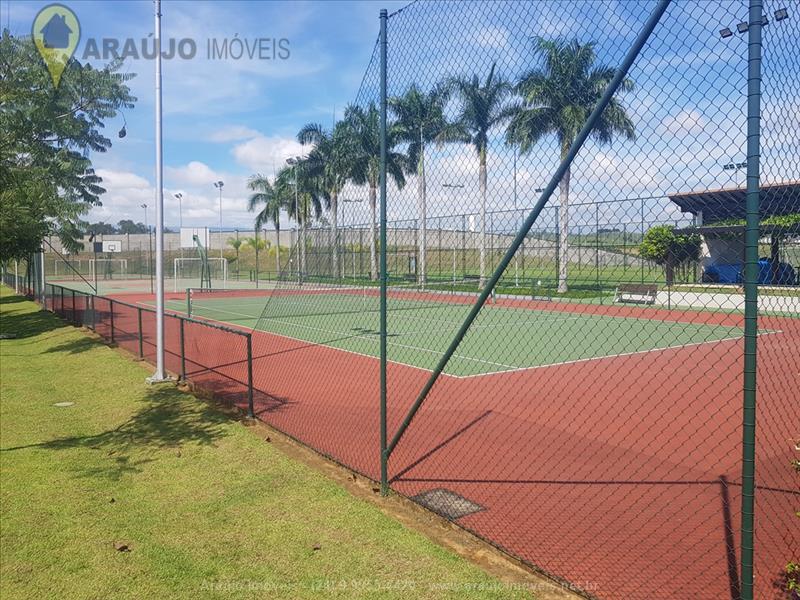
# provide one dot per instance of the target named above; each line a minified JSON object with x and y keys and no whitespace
{"x":558,"y":97}
{"x":235,"y":243}
{"x":420,"y":119}
{"x":327,"y":164}
{"x":483,"y":106}
{"x":265,"y":195}
{"x":363,"y":131}
{"x":301,"y":201}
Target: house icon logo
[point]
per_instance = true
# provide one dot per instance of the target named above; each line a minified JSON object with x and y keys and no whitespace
{"x":56,"y":33}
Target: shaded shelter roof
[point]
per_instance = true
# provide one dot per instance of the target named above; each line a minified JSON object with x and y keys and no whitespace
{"x":719,"y":205}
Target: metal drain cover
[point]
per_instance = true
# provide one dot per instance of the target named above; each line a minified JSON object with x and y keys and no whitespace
{"x":447,"y":503}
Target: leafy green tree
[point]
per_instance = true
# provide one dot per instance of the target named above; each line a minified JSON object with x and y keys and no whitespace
{"x":558,"y":97}
{"x":483,"y":106}
{"x":236,"y":243}
{"x":102,"y":228}
{"x":302,"y":202}
{"x":420,"y":119}
{"x":128,"y":226}
{"x":666,"y":248}
{"x":46,"y":135}
{"x":327,"y":165}
{"x":363,"y":130}
{"x":272,"y":202}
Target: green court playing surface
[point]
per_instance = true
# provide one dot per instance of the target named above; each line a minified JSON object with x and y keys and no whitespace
{"x":501,"y":339}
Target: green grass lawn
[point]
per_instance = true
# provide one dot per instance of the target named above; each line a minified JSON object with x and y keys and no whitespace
{"x":206,"y":507}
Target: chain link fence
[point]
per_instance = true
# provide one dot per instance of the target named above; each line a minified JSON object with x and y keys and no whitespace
{"x":541,"y":303}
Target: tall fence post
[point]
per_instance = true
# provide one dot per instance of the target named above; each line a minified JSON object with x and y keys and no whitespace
{"x":751,"y":294}
{"x":141,"y":333}
{"x":183,"y":348}
{"x":111,"y":311}
{"x":250,"y":411}
{"x":384,"y":457}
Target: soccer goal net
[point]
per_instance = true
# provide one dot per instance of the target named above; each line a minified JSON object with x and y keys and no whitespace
{"x":108,"y":268}
{"x":187,"y":272}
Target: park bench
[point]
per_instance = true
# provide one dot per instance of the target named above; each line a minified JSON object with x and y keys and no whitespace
{"x":636,"y":292}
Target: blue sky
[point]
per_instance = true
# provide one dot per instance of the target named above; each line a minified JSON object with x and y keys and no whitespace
{"x":229,"y":119}
{"x":223,"y":119}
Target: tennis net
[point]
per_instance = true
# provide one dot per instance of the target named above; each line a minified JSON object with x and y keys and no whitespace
{"x":317,"y":299}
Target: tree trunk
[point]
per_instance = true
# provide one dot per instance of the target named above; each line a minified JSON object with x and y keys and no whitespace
{"x":482,"y":236}
{"x":303,"y":247}
{"x":563,"y":221}
{"x":373,"y":259}
{"x":423,"y":219}
{"x":334,"y":226}
{"x":278,"y":253}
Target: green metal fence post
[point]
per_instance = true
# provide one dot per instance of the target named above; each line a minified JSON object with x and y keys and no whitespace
{"x":565,"y":164}
{"x":383,"y":325}
{"x":141,"y":333}
{"x":250,"y":411}
{"x":751,"y":294}
{"x":111,"y":311}
{"x":183,"y":349}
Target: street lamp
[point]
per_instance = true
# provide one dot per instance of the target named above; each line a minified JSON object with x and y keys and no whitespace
{"x":294,"y":163}
{"x":744,"y":26}
{"x":149,"y":248}
{"x":734,"y":167}
{"x":218,"y":185}
{"x":453,"y":187}
{"x":179,"y":196}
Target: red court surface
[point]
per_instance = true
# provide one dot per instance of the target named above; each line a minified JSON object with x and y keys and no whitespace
{"x":620,"y":475}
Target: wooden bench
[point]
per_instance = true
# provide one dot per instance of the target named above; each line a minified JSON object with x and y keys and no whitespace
{"x":636,"y":292}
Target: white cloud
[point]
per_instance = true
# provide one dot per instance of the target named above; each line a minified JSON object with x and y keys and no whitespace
{"x":193,"y":173}
{"x":492,"y":37}
{"x":233,"y":133}
{"x":264,"y":154}
{"x":686,"y":122}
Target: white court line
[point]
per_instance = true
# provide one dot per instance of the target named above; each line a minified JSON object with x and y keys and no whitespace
{"x":372,"y":338}
{"x":542,"y":317}
{"x":623,"y":354}
{"x":510,"y":368}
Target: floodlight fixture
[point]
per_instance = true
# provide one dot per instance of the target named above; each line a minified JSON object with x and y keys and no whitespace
{"x":781,"y":14}
{"x":725,"y":33}
{"x":742,"y":27}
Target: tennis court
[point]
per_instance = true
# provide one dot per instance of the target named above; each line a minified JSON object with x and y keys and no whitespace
{"x":422,"y":324}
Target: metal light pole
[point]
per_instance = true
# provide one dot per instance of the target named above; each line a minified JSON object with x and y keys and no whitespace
{"x":347,"y":201}
{"x":149,"y":249}
{"x":218,"y":185}
{"x":452,"y":187}
{"x":160,"y":374}
{"x":735,"y":167}
{"x":179,"y":196}
{"x":294,"y":163}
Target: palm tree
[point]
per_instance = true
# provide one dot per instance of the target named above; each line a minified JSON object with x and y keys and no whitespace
{"x":420,"y":120}
{"x":327,"y":164}
{"x":265,"y":194}
{"x":483,"y":107}
{"x":235,"y":243}
{"x":364,"y":143}
{"x":301,"y":199}
{"x":558,"y":97}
